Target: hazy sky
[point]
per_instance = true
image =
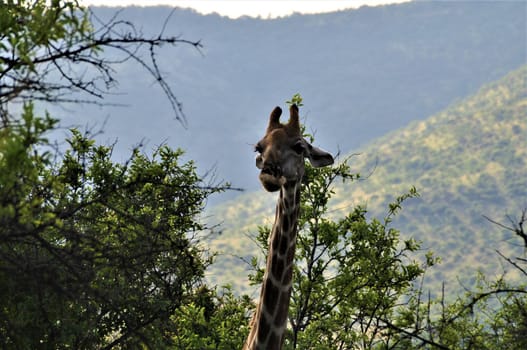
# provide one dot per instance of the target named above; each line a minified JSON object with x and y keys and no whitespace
{"x":262,"y":8}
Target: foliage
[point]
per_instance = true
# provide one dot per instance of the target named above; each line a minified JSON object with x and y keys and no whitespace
{"x":92,"y":252}
{"x":295,"y":100}
{"x":221,"y":324}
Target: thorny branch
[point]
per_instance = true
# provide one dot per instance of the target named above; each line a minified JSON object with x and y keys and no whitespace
{"x":62,"y":68}
{"x":517,"y":227}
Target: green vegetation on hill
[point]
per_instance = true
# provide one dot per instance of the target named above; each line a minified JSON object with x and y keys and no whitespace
{"x":467,"y":161}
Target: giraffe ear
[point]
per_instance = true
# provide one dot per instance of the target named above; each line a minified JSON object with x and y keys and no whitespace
{"x":317,"y":157}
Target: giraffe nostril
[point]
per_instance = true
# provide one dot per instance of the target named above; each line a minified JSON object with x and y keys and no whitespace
{"x":276,"y":171}
{"x":267,"y":170}
{"x":272,"y":170}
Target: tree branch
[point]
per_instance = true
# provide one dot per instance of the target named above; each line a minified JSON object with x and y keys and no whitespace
{"x":33,"y":78}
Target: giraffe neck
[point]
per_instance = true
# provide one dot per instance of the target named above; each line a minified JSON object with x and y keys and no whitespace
{"x":270,"y":319}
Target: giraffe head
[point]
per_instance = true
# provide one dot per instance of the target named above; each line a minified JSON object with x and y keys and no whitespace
{"x":281,"y":152}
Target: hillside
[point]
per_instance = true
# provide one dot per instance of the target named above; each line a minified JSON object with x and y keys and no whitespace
{"x":466,"y":161}
{"x":364,"y":72}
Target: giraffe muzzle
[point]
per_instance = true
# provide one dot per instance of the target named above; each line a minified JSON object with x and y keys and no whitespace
{"x":272,"y":181}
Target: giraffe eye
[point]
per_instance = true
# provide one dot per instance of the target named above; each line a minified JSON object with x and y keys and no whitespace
{"x":298,"y":147}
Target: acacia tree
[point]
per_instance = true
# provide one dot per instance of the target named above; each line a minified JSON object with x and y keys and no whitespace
{"x":352,"y":272}
{"x":93,"y":253}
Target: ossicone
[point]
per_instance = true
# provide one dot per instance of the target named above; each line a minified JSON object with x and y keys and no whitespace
{"x":294,"y":121}
{"x":274,"y":119}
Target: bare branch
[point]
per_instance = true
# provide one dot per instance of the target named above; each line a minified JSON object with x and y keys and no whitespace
{"x":517,"y":226}
{"x":414,"y":334}
{"x":67,"y":67}
{"x":512,"y":262}
{"x":481,"y":296}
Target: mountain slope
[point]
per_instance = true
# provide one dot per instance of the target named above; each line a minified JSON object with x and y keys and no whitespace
{"x":467,"y":161}
{"x":363,"y":72}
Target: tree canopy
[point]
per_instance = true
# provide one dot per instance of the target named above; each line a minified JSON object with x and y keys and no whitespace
{"x":94,"y":252}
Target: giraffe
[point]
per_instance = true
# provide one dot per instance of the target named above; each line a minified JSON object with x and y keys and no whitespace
{"x":281,"y":154}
